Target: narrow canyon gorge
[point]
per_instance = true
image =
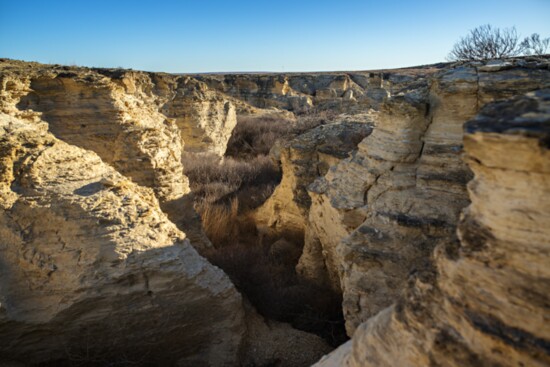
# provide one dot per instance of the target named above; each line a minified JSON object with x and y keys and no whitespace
{"x":384,"y":218}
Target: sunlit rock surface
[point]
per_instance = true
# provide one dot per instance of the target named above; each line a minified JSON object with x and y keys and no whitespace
{"x":92,"y":268}
{"x":485,"y":301}
{"x":375,"y":217}
{"x":302,"y":160}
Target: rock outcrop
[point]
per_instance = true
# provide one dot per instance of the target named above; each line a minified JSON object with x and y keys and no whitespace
{"x":135,"y":121}
{"x":138,"y":122}
{"x":376,"y":216}
{"x":302,"y":160}
{"x":485,"y":302}
{"x":98,"y":236}
{"x":93,"y":271}
{"x":302,"y":92}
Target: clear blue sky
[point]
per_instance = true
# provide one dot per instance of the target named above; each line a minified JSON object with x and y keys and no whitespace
{"x":279,"y":35}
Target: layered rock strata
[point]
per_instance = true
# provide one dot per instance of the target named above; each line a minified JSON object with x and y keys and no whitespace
{"x":135,"y":121}
{"x":303,"y":92}
{"x":376,"y":216}
{"x":302,"y":160}
{"x":93,"y":271}
{"x":485,"y":301}
{"x":138,"y":122}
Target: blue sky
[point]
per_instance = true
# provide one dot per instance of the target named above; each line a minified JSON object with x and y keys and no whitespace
{"x":212,"y":36}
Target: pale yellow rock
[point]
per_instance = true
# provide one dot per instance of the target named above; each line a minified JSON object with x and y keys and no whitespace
{"x":485,"y":302}
{"x":302,"y":160}
{"x":92,"y":268}
{"x":346,"y":92}
{"x":376,"y":216}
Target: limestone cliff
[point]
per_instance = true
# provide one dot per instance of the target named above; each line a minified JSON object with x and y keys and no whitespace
{"x":485,"y":301}
{"x":93,"y":195}
{"x":138,"y":122}
{"x":302,"y":160}
{"x":301,"y":92}
{"x":376,"y":216}
{"x":135,"y":121}
{"x":92,"y":270}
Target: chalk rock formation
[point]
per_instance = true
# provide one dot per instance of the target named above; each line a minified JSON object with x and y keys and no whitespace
{"x":304,"y":159}
{"x":301,"y":92}
{"x":92,"y":268}
{"x":138,"y":122}
{"x":376,"y":216}
{"x":486,"y":301}
{"x":205,"y":117}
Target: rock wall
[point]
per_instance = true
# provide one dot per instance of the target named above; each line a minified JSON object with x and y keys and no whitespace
{"x":89,"y":263}
{"x":91,"y":269}
{"x":302,"y":92}
{"x":138,"y":122}
{"x":302,"y":160}
{"x":485,"y":301}
{"x":375,"y":217}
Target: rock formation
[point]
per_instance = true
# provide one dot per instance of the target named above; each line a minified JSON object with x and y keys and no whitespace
{"x":138,"y":122}
{"x":303,"y":92}
{"x":92,"y":270}
{"x":376,"y":216}
{"x":98,"y":241}
{"x":485,"y":301}
{"x":302,"y":160}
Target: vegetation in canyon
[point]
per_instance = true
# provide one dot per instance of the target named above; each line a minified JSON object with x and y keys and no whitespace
{"x":227,"y":190}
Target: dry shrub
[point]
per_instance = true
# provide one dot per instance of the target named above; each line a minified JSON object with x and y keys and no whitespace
{"x":219,"y":221}
{"x":226,"y":191}
{"x":212,"y":178}
{"x":255,"y":135}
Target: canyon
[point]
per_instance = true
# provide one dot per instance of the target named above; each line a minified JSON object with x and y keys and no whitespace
{"x":422,"y":203}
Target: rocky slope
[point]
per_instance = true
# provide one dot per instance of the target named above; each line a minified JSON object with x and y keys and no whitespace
{"x":485,"y":302}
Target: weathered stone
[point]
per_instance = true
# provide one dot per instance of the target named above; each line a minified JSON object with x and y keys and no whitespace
{"x":485,"y":302}
{"x":92,"y":269}
{"x":303,"y":92}
{"x":304,"y":159}
{"x":376,"y":216}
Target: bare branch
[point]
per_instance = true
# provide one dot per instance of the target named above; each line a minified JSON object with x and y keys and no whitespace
{"x":486,"y":42}
{"x":534,"y":45}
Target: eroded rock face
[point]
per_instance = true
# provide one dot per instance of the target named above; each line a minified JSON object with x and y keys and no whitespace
{"x":376,"y":216}
{"x":304,"y":159}
{"x":138,"y":122}
{"x":302,"y":92}
{"x":205,"y":117}
{"x":485,"y":301}
{"x":90,"y":267}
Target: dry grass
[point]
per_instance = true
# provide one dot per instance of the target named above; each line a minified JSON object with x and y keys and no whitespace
{"x":226,"y":191}
{"x":255,"y":135}
{"x":219,"y":221}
